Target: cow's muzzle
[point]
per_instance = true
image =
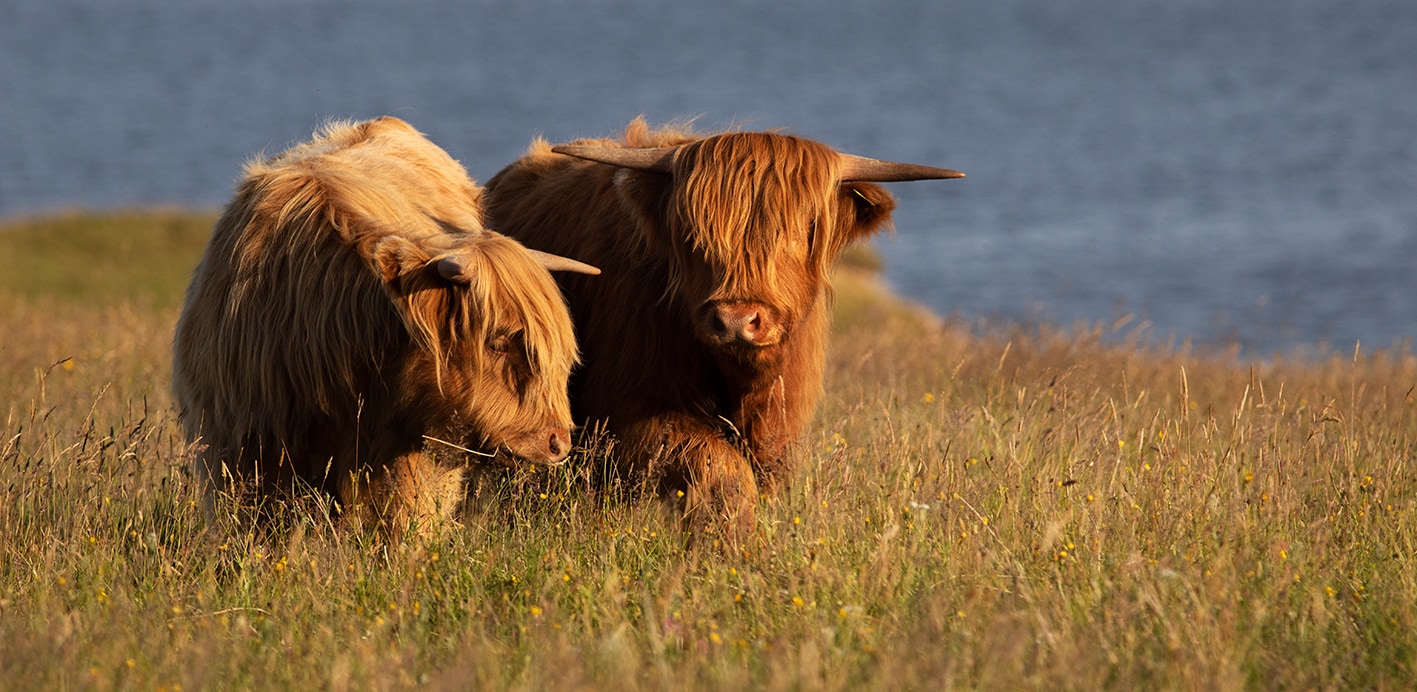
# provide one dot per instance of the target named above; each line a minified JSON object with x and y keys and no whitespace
{"x":547,"y":447}
{"x":738,"y":323}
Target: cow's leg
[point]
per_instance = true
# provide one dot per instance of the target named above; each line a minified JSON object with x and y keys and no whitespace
{"x":692,"y":461}
{"x":422,"y":494}
{"x":412,"y":493}
{"x":211,"y":475}
{"x":722,"y":495}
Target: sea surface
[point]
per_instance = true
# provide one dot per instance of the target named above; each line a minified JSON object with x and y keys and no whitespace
{"x":1219,"y":172}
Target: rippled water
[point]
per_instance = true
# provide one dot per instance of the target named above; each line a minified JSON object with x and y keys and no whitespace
{"x":1226,"y":171}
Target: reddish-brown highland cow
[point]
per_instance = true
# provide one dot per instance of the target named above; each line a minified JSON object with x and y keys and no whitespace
{"x":353,"y":327}
{"x":704,"y":340}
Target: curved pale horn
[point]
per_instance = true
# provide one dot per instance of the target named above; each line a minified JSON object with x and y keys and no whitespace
{"x":453,"y":269}
{"x":860,"y":169}
{"x":656,"y":159}
{"x":557,"y":263}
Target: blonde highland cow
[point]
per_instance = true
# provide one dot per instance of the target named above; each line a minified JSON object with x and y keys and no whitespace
{"x":353,"y":326}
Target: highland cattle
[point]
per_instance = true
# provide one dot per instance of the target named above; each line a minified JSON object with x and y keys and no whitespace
{"x":704,"y":340}
{"x":354,"y":328}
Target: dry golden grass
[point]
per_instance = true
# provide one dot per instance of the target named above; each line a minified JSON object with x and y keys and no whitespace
{"x":980,"y":508}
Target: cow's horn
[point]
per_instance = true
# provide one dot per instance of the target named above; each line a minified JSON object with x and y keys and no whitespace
{"x":557,"y":263}
{"x":451,"y":268}
{"x":863,"y":170}
{"x":656,"y":159}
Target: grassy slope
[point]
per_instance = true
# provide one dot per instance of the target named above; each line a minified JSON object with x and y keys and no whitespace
{"x":79,"y":258}
{"x":1019,"y":509}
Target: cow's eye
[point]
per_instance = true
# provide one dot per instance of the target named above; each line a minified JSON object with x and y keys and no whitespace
{"x":501,"y":345}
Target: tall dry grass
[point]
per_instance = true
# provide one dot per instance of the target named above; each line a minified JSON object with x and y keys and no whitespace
{"x":976,"y":507}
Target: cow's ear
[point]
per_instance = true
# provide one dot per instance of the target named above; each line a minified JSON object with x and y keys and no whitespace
{"x":646,"y":195}
{"x":869,"y":208}
{"x":394,"y":257}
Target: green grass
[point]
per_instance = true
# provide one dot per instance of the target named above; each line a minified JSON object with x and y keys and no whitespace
{"x":103,"y":259}
{"x":988,"y":508}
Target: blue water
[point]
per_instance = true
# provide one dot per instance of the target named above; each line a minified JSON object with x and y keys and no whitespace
{"x":1228,"y":172}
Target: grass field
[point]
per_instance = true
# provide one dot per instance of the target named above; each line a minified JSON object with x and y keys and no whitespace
{"x":994,"y":507}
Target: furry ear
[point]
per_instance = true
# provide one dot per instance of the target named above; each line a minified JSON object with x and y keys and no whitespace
{"x":395,"y":256}
{"x":868,"y":209}
{"x":646,"y":195}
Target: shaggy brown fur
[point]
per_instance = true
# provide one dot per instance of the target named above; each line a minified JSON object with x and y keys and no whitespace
{"x":350,"y":311}
{"x":704,"y":340}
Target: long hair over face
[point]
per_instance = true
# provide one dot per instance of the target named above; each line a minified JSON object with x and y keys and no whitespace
{"x":508,"y":322}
